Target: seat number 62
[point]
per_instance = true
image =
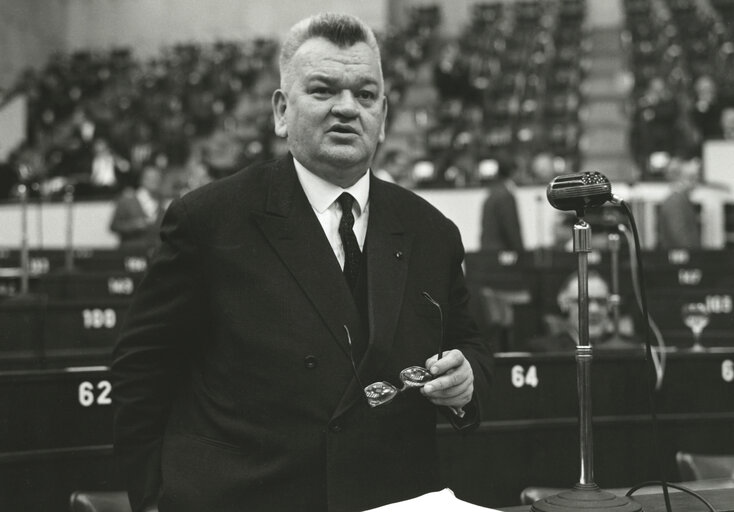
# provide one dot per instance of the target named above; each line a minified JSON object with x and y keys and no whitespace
{"x":91,"y":393}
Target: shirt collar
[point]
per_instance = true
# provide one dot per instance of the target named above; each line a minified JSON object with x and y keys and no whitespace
{"x":322,"y":194}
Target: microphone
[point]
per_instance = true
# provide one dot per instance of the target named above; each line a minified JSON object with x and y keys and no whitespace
{"x":577,"y":191}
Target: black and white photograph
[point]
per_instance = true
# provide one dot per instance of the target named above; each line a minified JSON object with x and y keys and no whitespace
{"x":366,"y":256}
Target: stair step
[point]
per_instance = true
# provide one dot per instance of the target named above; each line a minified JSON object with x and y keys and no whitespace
{"x":604,"y":113}
{"x":604,"y":141}
{"x":618,"y":168}
{"x":605,"y":88}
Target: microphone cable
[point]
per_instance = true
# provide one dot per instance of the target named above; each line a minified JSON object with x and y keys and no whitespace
{"x":648,"y":355}
{"x":674,"y":486}
{"x":659,"y":366}
{"x":659,"y":354}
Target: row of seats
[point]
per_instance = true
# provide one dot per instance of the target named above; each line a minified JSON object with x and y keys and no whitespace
{"x":681,"y":54}
{"x":76,"y":315}
{"x":73,"y":317}
{"x":698,"y":471}
{"x":513,"y":293}
{"x":509,"y":82}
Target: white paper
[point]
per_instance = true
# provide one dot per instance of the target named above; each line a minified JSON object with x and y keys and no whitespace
{"x":439,"y":500}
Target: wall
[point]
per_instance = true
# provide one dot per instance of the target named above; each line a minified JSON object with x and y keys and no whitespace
{"x":147,"y":24}
{"x":30,"y":30}
{"x":48,"y":223}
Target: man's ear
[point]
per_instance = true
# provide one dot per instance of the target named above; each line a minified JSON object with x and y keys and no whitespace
{"x":279,"y":102}
{"x":381,"y":138}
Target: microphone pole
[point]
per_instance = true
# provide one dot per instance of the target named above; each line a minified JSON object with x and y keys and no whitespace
{"x":69,"y":249}
{"x":614,"y":297}
{"x":576,"y":192}
{"x":24,"y":257}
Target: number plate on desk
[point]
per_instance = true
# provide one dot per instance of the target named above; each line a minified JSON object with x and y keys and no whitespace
{"x":55,"y":409}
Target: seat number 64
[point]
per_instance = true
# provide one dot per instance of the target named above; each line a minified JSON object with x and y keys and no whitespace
{"x":520,"y":376}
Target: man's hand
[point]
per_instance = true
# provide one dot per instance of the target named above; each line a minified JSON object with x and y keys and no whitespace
{"x":454,"y":382}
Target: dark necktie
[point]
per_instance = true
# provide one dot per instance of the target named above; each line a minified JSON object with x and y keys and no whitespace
{"x":352,"y":254}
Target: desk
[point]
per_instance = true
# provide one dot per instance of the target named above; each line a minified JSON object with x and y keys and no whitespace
{"x":61,"y":424}
{"x":531,"y":436}
{"x":721,"y":499}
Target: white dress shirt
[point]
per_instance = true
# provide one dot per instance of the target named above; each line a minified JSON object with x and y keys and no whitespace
{"x":323,"y":195}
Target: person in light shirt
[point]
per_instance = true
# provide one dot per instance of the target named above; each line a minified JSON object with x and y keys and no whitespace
{"x":137,"y":214}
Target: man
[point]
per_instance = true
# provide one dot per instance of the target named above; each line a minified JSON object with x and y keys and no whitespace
{"x":234,"y":380}
{"x":565,"y":335}
{"x":678,"y":219}
{"x":500,"y":220}
{"x":727,"y":122}
{"x":136,"y":218}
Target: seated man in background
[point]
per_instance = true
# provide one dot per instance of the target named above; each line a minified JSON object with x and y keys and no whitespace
{"x":137,"y":214}
{"x":563,"y":333}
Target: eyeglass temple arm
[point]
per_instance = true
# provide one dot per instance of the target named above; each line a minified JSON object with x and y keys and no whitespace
{"x":351,"y":359}
{"x":430,"y":299}
{"x":459,"y":411}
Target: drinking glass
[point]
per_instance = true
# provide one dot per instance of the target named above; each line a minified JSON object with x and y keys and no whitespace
{"x":696,"y":317}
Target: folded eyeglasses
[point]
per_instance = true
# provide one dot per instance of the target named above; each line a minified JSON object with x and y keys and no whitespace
{"x":413,"y":377}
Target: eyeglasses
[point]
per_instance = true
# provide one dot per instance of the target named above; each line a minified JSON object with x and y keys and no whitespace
{"x":601,"y":302}
{"x":413,"y":377}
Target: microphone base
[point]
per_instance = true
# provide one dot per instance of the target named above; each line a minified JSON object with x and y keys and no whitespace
{"x":585,"y":497}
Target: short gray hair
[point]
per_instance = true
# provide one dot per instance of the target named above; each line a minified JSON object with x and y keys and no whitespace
{"x":344,"y":30}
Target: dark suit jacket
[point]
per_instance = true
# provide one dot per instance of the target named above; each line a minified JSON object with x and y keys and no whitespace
{"x":500,"y":220}
{"x":232,"y":381}
{"x":678,"y":223}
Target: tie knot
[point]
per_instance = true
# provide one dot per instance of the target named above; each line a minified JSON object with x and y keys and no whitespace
{"x":346,"y":201}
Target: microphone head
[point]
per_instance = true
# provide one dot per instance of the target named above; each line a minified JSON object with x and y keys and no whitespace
{"x":578,"y":191}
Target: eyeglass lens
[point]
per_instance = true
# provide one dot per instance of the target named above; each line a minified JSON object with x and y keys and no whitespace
{"x":380,"y":393}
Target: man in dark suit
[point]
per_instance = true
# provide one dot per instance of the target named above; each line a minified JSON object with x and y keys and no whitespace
{"x":239,"y":376}
{"x":500,"y":220}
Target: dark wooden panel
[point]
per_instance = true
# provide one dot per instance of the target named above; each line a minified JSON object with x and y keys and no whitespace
{"x":530,"y":438}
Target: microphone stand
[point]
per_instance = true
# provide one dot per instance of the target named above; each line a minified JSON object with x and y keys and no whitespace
{"x":24,"y":256}
{"x":69,"y":250}
{"x":585,"y":495}
{"x":614,"y":298}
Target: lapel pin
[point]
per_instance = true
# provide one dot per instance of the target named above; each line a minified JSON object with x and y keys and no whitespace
{"x":398,"y":255}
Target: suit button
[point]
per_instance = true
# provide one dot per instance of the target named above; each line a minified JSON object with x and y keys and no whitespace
{"x":335,"y":427}
{"x":310,"y":362}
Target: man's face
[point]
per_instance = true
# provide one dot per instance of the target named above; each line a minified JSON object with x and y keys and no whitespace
{"x":332,"y":109}
{"x":598,"y":307}
{"x":151,"y":180}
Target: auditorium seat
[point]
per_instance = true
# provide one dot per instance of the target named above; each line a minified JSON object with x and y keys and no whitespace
{"x":99,"y":501}
{"x":693,"y":466}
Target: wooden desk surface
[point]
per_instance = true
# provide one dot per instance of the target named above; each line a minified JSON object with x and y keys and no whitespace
{"x":721,"y":499}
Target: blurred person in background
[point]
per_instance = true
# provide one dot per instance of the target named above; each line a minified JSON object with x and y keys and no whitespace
{"x":501,"y":229}
{"x":706,"y":109}
{"x":655,"y":125}
{"x":542,"y":168}
{"x":137,"y":214}
{"x":563,"y":331}
{"x":727,"y":122}
{"x":679,"y":225}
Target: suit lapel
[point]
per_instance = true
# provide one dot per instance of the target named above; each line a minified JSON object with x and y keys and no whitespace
{"x":293,"y":230}
{"x":388,"y":248}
